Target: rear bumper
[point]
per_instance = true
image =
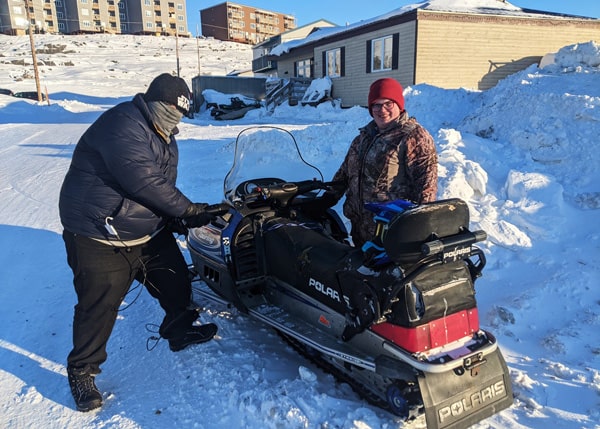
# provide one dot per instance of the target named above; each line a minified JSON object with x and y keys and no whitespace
{"x":459,"y":399}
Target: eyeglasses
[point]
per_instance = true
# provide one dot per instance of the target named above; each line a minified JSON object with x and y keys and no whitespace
{"x":388,"y":105}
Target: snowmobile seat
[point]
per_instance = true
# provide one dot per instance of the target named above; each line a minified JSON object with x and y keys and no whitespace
{"x":409,"y":230}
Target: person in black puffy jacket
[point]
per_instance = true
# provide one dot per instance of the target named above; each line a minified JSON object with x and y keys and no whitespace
{"x":117,"y":203}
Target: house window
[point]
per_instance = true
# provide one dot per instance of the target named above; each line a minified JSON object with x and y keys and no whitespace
{"x":381,"y":54}
{"x":333,"y":62}
{"x":303,"y":68}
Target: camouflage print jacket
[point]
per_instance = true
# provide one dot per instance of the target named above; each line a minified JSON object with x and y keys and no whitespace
{"x":397,"y":163}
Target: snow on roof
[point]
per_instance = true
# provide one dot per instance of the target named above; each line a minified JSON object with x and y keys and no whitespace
{"x":488,"y":7}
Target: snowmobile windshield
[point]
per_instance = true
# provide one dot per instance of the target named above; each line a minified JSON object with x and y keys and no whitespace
{"x":266,"y":155}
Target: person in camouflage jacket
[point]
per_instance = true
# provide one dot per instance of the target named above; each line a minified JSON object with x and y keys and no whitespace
{"x":393,"y":157}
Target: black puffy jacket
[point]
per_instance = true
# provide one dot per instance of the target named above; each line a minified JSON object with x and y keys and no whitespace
{"x":124,"y":171}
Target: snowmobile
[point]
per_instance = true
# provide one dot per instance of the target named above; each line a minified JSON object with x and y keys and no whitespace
{"x":396,"y":319}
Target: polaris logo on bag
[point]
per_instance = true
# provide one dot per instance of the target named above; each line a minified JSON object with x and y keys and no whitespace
{"x":472,"y":401}
{"x":456,"y":254}
{"x":324,"y":289}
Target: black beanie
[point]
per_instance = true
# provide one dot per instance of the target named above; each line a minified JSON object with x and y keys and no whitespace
{"x":170,"y":89}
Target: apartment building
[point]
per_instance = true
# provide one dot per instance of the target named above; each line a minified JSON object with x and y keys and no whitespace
{"x":87,"y":16}
{"x":16,"y":16}
{"x":154,"y":17}
{"x":243,"y":24}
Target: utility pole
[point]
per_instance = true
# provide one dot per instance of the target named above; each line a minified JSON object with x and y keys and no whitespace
{"x":33,"y":55}
{"x":177,"y":46}
{"x":198,"y":48}
{"x":171,"y":15}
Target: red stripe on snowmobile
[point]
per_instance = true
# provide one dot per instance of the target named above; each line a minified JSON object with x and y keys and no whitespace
{"x":433,"y":334}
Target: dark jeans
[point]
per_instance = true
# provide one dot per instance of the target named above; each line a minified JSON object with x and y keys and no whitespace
{"x":102,"y":275}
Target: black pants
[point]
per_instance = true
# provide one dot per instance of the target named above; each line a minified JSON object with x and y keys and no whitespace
{"x":102,"y":275}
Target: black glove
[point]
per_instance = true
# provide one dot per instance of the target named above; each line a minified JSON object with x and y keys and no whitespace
{"x":176,"y":225}
{"x":218,"y":209}
{"x":318,"y":206}
{"x":196,"y":215}
{"x":199,"y":214}
{"x":328,"y":199}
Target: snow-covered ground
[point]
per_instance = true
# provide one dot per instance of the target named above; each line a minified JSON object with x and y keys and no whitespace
{"x":525,"y":155}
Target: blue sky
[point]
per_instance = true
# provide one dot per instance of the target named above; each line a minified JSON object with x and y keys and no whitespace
{"x":351,"y":11}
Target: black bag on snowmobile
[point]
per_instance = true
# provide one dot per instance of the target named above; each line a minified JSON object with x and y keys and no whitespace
{"x":303,"y":253}
{"x":402,"y":230}
{"x":437,"y":292}
{"x":408,"y":231}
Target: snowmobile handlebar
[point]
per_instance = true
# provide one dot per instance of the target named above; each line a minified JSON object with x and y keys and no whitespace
{"x":281,"y":194}
{"x":217,"y":209}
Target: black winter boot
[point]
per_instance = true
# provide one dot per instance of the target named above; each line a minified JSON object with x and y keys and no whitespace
{"x":181,"y":332}
{"x":193,"y":335}
{"x":86,"y":394}
{"x":174,"y":325}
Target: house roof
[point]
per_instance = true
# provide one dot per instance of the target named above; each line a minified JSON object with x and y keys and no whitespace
{"x":481,"y":7}
{"x":294,"y":32}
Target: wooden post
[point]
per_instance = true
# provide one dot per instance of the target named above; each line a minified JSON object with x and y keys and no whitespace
{"x":174,"y":15}
{"x":198,"y":48}
{"x":33,"y":56}
{"x":177,"y":46}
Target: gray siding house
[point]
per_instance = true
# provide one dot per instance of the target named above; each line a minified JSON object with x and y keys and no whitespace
{"x":263,"y":63}
{"x":472,"y":48}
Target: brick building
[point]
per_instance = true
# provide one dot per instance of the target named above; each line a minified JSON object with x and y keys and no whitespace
{"x":243,"y":24}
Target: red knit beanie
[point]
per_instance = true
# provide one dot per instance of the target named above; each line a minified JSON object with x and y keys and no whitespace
{"x":386,"y":88}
